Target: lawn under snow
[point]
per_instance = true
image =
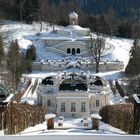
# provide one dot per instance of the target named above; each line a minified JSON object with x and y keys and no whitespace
{"x":121,"y":49}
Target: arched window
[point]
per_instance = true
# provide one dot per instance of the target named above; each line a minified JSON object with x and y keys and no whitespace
{"x":68,"y":50}
{"x":73,"y":51}
{"x":78,"y":50}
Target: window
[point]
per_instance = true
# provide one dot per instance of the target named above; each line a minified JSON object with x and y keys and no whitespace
{"x":49,"y":103}
{"x":78,"y":51}
{"x":97,"y":103}
{"x":73,"y":107}
{"x":73,"y":51}
{"x":83,"y":107}
{"x":68,"y":50}
{"x":63,"y":107}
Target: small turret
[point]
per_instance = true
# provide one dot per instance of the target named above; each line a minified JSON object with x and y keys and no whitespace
{"x":73,"y":18}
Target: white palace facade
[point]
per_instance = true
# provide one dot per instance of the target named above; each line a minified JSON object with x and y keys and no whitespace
{"x":73,"y":94}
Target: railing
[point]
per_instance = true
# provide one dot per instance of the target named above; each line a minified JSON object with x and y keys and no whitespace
{"x":72,"y":137}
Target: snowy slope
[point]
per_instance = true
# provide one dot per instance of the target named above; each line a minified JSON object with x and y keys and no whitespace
{"x":121,"y":49}
{"x":28,"y":34}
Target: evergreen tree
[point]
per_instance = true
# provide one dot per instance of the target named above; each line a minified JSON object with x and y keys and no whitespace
{"x":136,"y":30}
{"x":111,"y":20}
{"x":30,"y":11}
{"x":62,"y":11}
{"x":30,"y":57}
{"x":31,"y":53}
{"x":133,"y":66}
{"x":14,"y":64}
{"x":125,"y":28}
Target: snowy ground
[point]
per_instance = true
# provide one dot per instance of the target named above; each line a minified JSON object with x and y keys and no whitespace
{"x":71,"y":126}
{"x":28,"y":34}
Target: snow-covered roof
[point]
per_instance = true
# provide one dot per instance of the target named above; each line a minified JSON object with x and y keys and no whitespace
{"x":96,"y":116}
{"x":8,"y":99}
{"x":73,"y":15}
{"x":136,"y":98}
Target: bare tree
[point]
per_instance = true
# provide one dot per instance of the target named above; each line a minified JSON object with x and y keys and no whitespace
{"x":5,"y":33}
{"x":97,"y":48}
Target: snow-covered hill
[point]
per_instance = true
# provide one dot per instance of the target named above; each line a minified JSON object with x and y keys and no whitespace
{"x":28,"y":34}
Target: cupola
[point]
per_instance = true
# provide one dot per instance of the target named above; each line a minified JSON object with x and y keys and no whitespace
{"x":73,"y":18}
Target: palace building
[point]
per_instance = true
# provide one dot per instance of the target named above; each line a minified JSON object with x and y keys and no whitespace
{"x":73,"y":94}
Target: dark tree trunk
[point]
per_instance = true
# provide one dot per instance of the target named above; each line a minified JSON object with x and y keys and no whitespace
{"x":97,"y":67}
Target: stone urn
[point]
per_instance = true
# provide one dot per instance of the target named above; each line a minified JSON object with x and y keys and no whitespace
{"x":95,"y":118}
{"x":50,"y":120}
